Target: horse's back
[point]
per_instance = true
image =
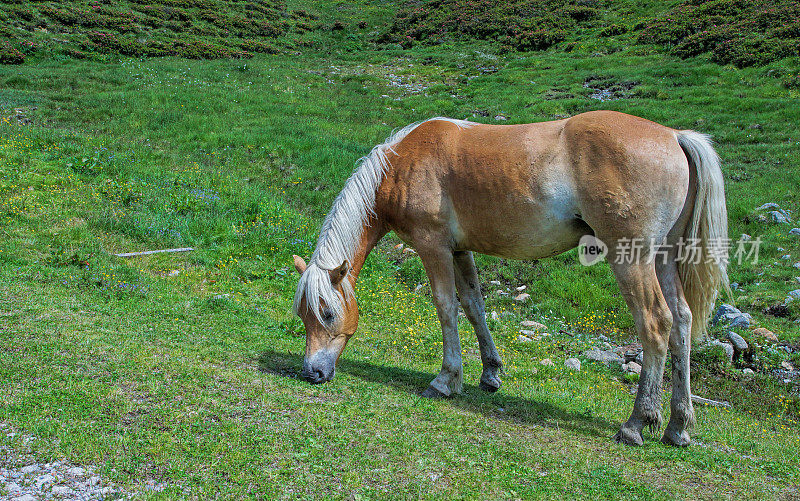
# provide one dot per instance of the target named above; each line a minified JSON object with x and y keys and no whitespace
{"x":528,"y":191}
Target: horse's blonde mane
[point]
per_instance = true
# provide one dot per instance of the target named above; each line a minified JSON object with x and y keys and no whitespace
{"x":343,"y":226}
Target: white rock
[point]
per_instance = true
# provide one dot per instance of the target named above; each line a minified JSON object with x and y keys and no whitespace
{"x":748,"y":372}
{"x":521,"y":288}
{"x":31,"y":468}
{"x":634,"y":367}
{"x":573,"y":364}
{"x":494,"y":315}
{"x":524,"y":339}
{"x":495,"y":282}
{"x":794,"y":231}
{"x":530,"y":334}
{"x":12,"y":487}
{"x":547,"y":362}
{"x":62,"y":491}
{"x":531,"y":324}
{"x":44,"y":480}
{"x":522,"y":297}
{"x":77,"y":471}
{"x":769,"y":206}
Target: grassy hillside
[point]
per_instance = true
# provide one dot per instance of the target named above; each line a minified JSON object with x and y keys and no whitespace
{"x":181,"y":369}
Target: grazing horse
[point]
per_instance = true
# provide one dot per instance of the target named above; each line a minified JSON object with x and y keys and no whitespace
{"x":451,"y":187}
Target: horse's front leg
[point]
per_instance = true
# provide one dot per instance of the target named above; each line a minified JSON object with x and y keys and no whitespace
{"x":438,"y":264}
{"x":469,"y":292}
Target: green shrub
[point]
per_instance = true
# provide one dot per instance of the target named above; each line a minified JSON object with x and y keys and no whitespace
{"x":744,"y":33}
{"x":10,"y":55}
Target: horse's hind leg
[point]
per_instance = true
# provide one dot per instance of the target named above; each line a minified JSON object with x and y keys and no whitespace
{"x":469,"y":292}
{"x":438,"y":264}
{"x":680,"y":340}
{"x":640,"y":287}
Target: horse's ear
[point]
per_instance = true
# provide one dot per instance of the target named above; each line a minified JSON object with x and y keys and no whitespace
{"x":299,"y":264}
{"x":338,"y":274}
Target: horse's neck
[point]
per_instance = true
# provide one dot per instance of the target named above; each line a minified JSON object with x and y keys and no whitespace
{"x":371,"y":233}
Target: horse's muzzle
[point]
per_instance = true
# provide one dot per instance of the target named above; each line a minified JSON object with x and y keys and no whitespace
{"x":320,"y":371}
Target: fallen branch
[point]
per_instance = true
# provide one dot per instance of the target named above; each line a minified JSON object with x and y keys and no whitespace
{"x":144,"y":253}
{"x":707,"y":401}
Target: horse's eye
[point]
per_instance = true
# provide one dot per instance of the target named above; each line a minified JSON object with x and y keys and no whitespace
{"x":327,"y":315}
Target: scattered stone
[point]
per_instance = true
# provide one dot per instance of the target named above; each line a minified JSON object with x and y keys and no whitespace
{"x":31,"y":468}
{"x":738,"y":342}
{"x":742,"y":321}
{"x":797,"y":265}
{"x":572,"y":364}
{"x":786,"y":257}
{"x":409,"y":250}
{"x":748,"y":372}
{"x":44,"y":480}
{"x":495,"y":282}
{"x":524,"y":339}
{"x":778,"y":216}
{"x":500,"y":118}
{"x":399,"y":247}
{"x":521,"y":288}
{"x":77,"y":471}
{"x":786,"y":365}
{"x":605,"y":356}
{"x":766,"y":334}
{"x":530,"y":324}
{"x":795,"y":294}
{"x":62,"y":491}
{"x":528,"y":333}
{"x":494,"y":316}
{"x":795,"y":231}
{"x":547,"y":362}
{"x":522,"y":297}
{"x":726,"y":347}
{"x":640,"y":358}
{"x":633,"y":367}
{"x":419,"y":288}
{"x":631,"y":355}
{"x":769,"y":206}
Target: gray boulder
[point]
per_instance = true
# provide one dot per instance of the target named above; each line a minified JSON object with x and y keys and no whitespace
{"x":738,"y":342}
{"x":725,"y":346}
{"x":573,"y":364}
{"x":795,"y":231}
{"x":605,"y":356}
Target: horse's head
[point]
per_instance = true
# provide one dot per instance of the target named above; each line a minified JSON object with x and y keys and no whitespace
{"x":326,"y":304}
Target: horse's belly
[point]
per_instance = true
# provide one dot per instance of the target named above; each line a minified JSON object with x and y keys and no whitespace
{"x":520,"y":230}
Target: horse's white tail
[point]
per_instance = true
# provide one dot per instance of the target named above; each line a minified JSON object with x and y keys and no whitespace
{"x":703,"y":275}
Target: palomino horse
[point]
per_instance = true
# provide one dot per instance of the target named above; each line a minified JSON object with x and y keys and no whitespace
{"x":449,"y":188}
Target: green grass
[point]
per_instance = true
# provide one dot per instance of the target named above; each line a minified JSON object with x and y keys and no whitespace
{"x":191,"y":378}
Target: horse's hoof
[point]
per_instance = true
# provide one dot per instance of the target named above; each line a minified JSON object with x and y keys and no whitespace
{"x":431,"y":392}
{"x":488,"y":387}
{"x":628,"y":437}
{"x":676,"y":439}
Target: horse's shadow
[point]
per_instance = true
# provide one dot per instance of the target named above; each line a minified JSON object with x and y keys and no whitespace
{"x":496,"y":406}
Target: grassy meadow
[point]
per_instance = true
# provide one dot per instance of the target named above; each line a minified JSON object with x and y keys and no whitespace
{"x":183,"y":368}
